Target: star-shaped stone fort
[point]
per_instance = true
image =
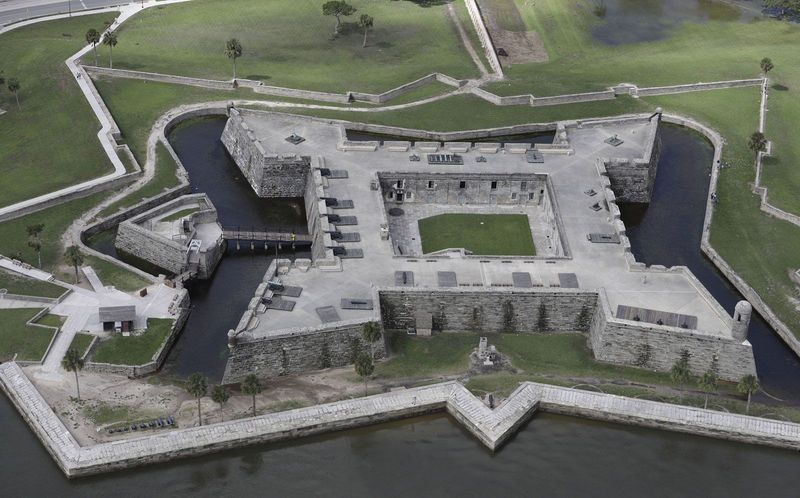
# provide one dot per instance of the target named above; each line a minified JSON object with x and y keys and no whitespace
{"x":377,"y":208}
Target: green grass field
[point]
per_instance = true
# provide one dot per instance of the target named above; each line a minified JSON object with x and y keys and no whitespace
{"x":483,"y":234}
{"x":28,"y":343}
{"x":52,"y":320}
{"x":179,"y":214}
{"x":81,"y":342}
{"x":289,"y":43}
{"x":50,"y":142}
{"x":133,"y":350}
{"x":18,"y":284}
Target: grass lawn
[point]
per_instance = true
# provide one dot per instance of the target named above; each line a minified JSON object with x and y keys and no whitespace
{"x":52,"y":320}
{"x":443,"y":354}
{"x":14,"y":238}
{"x":483,"y":234}
{"x":179,"y":214}
{"x":81,"y":342}
{"x":111,"y":274}
{"x":134,"y":350}
{"x":28,"y":343}
{"x":17,"y":284}
{"x":50,"y":142}
{"x":288,"y":43}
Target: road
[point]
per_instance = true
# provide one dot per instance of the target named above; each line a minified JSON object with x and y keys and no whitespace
{"x":17,"y":10}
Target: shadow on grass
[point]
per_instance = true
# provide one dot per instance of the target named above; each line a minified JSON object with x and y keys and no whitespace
{"x":258,"y":77}
{"x":779,"y":87}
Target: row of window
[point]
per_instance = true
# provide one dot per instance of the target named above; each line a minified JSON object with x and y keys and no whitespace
{"x":462,"y":185}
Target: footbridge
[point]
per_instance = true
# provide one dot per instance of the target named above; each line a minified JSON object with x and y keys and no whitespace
{"x":266,"y":235}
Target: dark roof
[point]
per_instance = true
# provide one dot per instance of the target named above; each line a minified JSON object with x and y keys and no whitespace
{"x":117,"y":313}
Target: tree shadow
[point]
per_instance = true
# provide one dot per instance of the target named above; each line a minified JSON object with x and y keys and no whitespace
{"x":779,"y":87}
{"x":382,"y":44}
{"x":429,"y":3}
{"x":349,"y":28}
{"x":258,"y":77}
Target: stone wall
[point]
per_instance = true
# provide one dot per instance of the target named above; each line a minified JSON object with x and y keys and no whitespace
{"x":490,"y":310}
{"x":632,"y":180}
{"x":136,"y":239}
{"x":270,"y":175}
{"x":657,"y":347}
{"x":318,"y":225}
{"x":433,"y":188}
{"x":298,"y":351}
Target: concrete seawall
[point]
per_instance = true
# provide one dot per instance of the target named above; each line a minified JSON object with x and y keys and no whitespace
{"x":491,"y":427}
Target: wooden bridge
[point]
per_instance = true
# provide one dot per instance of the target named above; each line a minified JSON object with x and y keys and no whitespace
{"x":265,"y":235}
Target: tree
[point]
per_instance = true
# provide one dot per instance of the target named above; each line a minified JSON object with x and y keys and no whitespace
{"x":757,"y":142}
{"x":73,"y":362}
{"x":93,"y":38}
{"x":766,"y":65}
{"x":371,"y":333}
{"x":365,"y":22}
{"x":220,"y":394}
{"x":74,"y":258}
{"x":680,"y":370}
{"x":197,"y":386}
{"x":34,"y":239}
{"x":110,"y":40}
{"x":251,"y":386}
{"x":13,"y":87}
{"x":337,"y":9}
{"x":364,"y":367}
{"x":233,"y":50}
{"x":748,"y":385}
{"x":707,"y":382}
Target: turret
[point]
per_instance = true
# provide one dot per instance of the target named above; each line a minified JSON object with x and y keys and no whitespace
{"x":741,"y":320}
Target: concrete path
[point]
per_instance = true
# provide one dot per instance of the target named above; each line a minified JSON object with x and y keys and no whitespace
{"x":12,"y":11}
{"x":51,"y":367}
{"x":28,"y":272}
{"x":93,"y":279}
{"x":7,"y":304}
{"x":451,"y":11}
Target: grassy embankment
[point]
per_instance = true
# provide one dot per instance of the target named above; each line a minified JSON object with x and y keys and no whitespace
{"x":289,"y":43}
{"x":50,"y":141}
{"x":133,"y":350}
{"x":16,"y":337}
{"x":18,"y":284}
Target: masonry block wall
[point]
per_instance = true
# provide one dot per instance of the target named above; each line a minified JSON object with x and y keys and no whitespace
{"x":632,"y":180}
{"x":142,"y":243}
{"x":314,"y":208}
{"x":658,"y":348}
{"x":492,"y":311}
{"x":474,"y":188}
{"x":270,"y":175}
{"x":297,"y":352}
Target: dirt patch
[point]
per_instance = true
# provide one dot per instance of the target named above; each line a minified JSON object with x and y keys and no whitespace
{"x":508,"y":32}
{"x":522,"y":47}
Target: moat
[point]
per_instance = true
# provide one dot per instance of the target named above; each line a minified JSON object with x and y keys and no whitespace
{"x":605,"y":448}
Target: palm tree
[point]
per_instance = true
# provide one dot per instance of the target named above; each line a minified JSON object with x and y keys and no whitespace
{"x":110,"y":40}
{"x":748,"y":385}
{"x":766,"y":65}
{"x":220,"y":394}
{"x":233,"y":50}
{"x":34,"y":241}
{"x":679,"y":372}
{"x":251,"y":386}
{"x":73,"y":362}
{"x":13,"y":87}
{"x":93,"y":38}
{"x":371,"y":332}
{"x":757,"y":142}
{"x":365,"y":22}
{"x":74,"y":258}
{"x":707,"y":382}
{"x":364,"y":367}
{"x":197,"y":386}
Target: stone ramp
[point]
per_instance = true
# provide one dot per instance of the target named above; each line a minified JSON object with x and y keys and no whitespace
{"x":93,"y":279}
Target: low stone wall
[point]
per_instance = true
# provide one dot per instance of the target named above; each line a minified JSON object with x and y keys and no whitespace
{"x":136,"y":371}
{"x":299,"y":350}
{"x":695,"y":87}
{"x":484,"y":37}
{"x":491,"y":427}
